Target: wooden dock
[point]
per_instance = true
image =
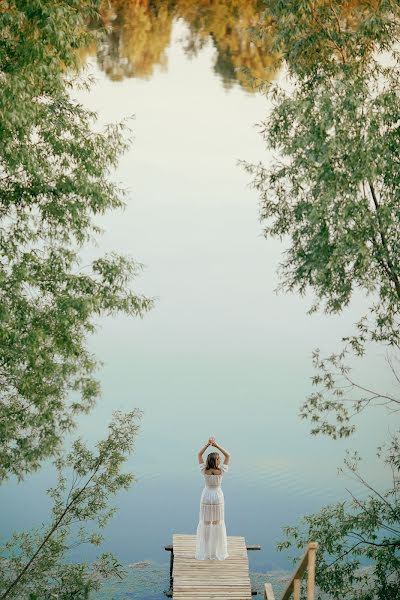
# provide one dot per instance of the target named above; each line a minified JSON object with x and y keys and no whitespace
{"x":228,"y":579}
{"x":209,"y":579}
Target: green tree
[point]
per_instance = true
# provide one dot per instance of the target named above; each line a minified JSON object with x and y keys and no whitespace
{"x":333,"y":189}
{"x":55,"y":168}
{"x":332,"y":192}
{"x":364,"y":529}
{"x":34,"y":565}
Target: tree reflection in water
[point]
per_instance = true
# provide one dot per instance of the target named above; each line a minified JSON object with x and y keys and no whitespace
{"x":139,"y":32}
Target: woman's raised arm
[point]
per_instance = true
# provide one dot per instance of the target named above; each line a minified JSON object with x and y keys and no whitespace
{"x":200,"y":454}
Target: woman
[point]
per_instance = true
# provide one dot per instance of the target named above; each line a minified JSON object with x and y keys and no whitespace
{"x":211,"y":533}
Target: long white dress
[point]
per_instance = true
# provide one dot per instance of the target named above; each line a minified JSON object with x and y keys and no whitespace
{"x":211,"y":541}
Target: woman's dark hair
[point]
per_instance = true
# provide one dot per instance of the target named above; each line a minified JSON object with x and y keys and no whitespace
{"x":211,"y":462}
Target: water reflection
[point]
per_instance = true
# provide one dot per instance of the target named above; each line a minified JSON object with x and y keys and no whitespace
{"x":221,"y":354}
{"x":139,"y":34}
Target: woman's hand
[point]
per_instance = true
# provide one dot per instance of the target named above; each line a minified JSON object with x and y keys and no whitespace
{"x":211,"y":441}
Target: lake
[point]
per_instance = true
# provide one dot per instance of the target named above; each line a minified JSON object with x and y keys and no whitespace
{"x":221,"y":353}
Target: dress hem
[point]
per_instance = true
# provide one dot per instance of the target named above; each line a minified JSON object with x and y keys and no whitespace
{"x":213,"y":558}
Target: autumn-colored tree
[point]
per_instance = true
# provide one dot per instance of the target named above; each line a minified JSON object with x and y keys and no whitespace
{"x":140,"y":31}
{"x":241,"y":56}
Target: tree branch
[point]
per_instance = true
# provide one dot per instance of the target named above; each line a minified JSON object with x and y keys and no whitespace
{"x":393,"y":275}
{"x":52,"y":530}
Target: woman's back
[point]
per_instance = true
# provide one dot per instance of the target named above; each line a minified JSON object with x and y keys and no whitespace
{"x":213,"y":477}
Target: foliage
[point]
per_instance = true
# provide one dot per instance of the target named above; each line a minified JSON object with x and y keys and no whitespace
{"x":54,"y":181}
{"x":248,"y":36}
{"x":333,"y":187}
{"x":138,"y":35}
{"x":33,"y":565}
{"x":320,"y":37}
{"x":332,"y":192}
{"x":241,"y":57}
{"x":351,"y":532}
{"x":340,"y":396}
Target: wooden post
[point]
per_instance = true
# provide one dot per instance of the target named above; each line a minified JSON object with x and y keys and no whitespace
{"x":171,"y":567}
{"x":170,"y":549}
{"x":268,"y":592}
{"x":296,"y":589}
{"x":312,"y":548}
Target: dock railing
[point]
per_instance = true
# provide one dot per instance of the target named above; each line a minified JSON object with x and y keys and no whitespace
{"x":307,"y":563}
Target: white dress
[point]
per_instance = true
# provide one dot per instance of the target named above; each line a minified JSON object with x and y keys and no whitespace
{"x":211,"y":541}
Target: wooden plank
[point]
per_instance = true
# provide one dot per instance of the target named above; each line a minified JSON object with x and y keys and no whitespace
{"x":210,"y":579}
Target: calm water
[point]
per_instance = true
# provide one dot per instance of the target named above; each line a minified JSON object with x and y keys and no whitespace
{"x":221,"y":354}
